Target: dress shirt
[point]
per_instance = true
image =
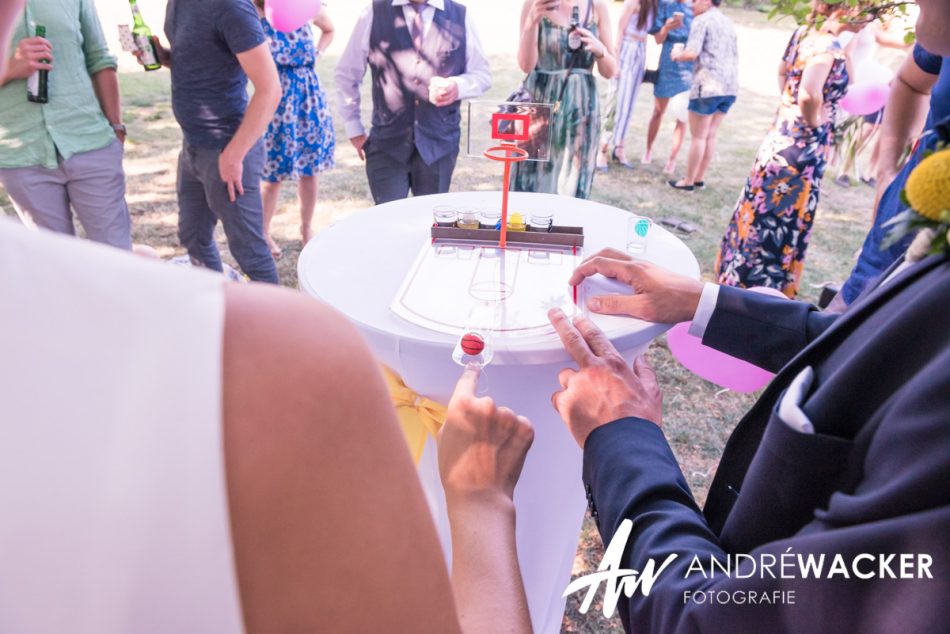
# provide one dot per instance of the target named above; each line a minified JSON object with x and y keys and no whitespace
{"x":72,"y":121}
{"x":705,"y":309}
{"x":352,"y":66}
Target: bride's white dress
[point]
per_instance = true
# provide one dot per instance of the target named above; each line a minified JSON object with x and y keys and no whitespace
{"x":113,"y":500}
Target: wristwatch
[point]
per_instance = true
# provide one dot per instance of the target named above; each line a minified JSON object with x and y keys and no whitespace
{"x":119,"y":127}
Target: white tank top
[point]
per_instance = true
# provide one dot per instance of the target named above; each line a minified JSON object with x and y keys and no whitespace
{"x":113,"y":501}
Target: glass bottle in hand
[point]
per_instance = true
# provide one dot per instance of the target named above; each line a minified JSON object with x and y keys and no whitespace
{"x":143,"y":39}
{"x":37,"y":85}
{"x":574,"y":40}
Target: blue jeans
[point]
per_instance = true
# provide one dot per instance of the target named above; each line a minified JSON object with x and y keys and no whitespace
{"x":203,"y":200}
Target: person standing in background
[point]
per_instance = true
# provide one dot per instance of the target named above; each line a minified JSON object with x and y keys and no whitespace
{"x":299,"y":140}
{"x":563,"y":75}
{"x":425,"y":57}
{"x":635,"y":18}
{"x":671,"y":26}
{"x":923,"y":79}
{"x":713,"y":46}
{"x":222,"y":156}
{"x":66,"y":152}
{"x":765,"y":242}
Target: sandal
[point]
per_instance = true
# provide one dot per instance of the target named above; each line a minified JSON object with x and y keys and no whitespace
{"x":620,"y":160}
{"x":678,"y":224}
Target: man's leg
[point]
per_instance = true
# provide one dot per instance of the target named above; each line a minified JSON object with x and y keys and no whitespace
{"x":388,"y":178}
{"x":95,"y":183}
{"x":196,"y":221}
{"x":40,"y":193}
{"x":711,"y":136}
{"x":432,"y":179}
{"x":698,"y":133}
{"x":243,"y":219}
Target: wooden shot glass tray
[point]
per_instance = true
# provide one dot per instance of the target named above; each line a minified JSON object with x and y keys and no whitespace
{"x":557,"y":236}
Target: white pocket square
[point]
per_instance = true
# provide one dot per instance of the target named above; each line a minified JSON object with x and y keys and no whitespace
{"x":789,"y":410}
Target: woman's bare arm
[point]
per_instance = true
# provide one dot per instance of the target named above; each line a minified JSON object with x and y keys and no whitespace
{"x":330,"y":527}
{"x":811,"y":89}
{"x":325,"y":24}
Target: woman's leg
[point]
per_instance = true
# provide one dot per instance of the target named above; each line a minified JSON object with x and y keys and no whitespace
{"x":659,"y":107}
{"x":307,"y":192}
{"x":270,"y":192}
{"x":698,"y":135}
{"x":711,"y":137}
{"x":679,"y":133}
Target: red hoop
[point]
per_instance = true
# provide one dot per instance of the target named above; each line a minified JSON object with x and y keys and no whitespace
{"x":520,"y":153}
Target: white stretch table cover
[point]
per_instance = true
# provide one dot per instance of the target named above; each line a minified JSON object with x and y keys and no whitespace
{"x":358,"y":264}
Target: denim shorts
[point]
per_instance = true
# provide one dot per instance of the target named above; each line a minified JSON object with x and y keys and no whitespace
{"x":711,"y":105}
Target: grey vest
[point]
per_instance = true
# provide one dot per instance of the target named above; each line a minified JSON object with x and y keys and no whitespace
{"x":403,"y":118}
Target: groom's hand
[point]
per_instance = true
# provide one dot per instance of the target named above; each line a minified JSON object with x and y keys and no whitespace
{"x":661,"y":295}
{"x":604,"y":388}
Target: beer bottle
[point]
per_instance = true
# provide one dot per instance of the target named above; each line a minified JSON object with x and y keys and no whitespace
{"x":573,"y":36}
{"x":143,"y":39}
{"x":37,"y":85}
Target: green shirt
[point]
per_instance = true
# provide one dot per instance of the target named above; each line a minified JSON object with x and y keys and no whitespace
{"x":72,"y":121}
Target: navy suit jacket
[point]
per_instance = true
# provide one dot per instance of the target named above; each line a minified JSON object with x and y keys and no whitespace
{"x":874,"y":478}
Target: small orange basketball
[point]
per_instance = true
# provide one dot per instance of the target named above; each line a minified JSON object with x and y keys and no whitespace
{"x":472,"y":344}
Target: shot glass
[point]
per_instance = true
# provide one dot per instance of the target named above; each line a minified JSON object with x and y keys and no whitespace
{"x":489,"y":219}
{"x":638,"y":232}
{"x":445,"y":216}
{"x":468,"y":219}
{"x":516,"y":221}
{"x":540,"y":221}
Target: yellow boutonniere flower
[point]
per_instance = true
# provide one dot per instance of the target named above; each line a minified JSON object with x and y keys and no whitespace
{"x":928,"y":187}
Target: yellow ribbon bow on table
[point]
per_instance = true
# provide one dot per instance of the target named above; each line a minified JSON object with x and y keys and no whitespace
{"x":419,"y":416}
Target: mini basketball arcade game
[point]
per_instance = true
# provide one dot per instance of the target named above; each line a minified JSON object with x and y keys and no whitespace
{"x":485,"y":273}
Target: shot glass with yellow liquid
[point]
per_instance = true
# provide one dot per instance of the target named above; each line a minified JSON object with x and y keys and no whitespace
{"x":516,"y":221}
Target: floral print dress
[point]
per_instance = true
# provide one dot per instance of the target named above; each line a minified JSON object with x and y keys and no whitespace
{"x":766,"y":240}
{"x":299,"y":140}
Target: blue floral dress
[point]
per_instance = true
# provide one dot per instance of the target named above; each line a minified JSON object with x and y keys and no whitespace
{"x":765,"y":243}
{"x":299,"y":140}
{"x":672,"y":77}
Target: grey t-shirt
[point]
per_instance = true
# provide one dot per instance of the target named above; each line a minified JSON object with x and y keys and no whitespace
{"x":209,"y":87}
{"x":713,"y":37}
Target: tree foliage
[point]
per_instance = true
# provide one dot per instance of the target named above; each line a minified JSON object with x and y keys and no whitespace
{"x":865,"y":10}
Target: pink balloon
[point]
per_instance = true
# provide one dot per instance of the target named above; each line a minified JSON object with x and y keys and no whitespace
{"x":714,"y":366}
{"x":290,"y":15}
{"x":866,"y":97}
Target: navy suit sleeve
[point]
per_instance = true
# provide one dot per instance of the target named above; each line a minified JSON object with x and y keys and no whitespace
{"x":764,"y":330}
{"x":632,"y":474}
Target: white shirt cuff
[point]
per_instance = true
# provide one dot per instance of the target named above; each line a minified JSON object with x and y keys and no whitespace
{"x":467,"y":89}
{"x":354,"y":128}
{"x":705,"y":309}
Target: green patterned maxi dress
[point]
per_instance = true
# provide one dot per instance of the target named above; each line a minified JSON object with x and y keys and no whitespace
{"x":575,"y":127}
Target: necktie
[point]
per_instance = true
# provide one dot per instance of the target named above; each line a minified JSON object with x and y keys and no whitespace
{"x":417,"y":26}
